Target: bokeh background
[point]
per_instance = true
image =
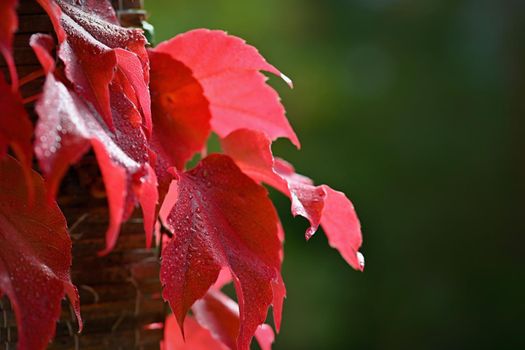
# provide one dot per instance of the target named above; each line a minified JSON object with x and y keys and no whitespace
{"x":415,"y":109}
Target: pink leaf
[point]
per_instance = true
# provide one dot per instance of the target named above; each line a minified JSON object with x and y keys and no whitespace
{"x":35,"y":257}
{"x":321,"y":205}
{"x":228,"y":70}
{"x":43,"y":45}
{"x":195,"y":336}
{"x":220,"y":315}
{"x":221,"y":218}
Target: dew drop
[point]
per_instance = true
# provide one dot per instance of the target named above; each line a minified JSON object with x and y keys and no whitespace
{"x":309,"y":232}
{"x":361,"y":259}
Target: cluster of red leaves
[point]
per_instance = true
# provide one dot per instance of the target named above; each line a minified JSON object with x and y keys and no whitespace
{"x":145,"y":113}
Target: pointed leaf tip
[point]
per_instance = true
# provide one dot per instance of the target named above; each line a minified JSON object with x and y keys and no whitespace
{"x":361,"y":260}
{"x":320,"y":205}
{"x":287,"y":80}
{"x":229,"y":71}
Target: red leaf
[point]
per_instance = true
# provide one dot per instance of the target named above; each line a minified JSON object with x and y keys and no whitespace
{"x":43,"y":45}
{"x":180,"y":110}
{"x":278,"y":288}
{"x":35,"y":257}
{"x":94,"y":49}
{"x":279,"y":293}
{"x":148,"y":196}
{"x":220,"y":315}
{"x":215,"y":327}
{"x":8,"y":26}
{"x":195,"y":336}
{"x":221,"y":218}
{"x":54,"y":13}
{"x":321,"y":205}
{"x":228,"y":70}
{"x":265,"y":337}
{"x":67,"y":127}
{"x":99,"y":8}
{"x":16,"y":129}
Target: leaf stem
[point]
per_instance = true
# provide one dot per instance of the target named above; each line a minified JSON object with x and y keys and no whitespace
{"x":31,"y":98}
{"x":32,"y":76}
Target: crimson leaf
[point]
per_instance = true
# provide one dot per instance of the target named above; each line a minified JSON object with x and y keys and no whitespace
{"x":279,"y":289}
{"x":321,"y":205}
{"x":180,"y":111}
{"x":16,"y":129}
{"x":221,"y":218}
{"x":95,"y":49}
{"x":98,"y":8}
{"x":8,"y":26}
{"x":35,"y":257}
{"x":66,"y":129}
{"x":228,"y":71}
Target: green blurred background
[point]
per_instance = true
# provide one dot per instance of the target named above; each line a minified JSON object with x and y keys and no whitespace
{"x":415,"y":109}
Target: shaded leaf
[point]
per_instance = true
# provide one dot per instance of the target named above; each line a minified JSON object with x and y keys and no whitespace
{"x":68,"y":127}
{"x":94,"y":48}
{"x":180,"y":111}
{"x":8,"y":26}
{"x":221,"y":218}
{"x":34,"y":259}
{"x":320,"y":205}
{"x":16,"y":129}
